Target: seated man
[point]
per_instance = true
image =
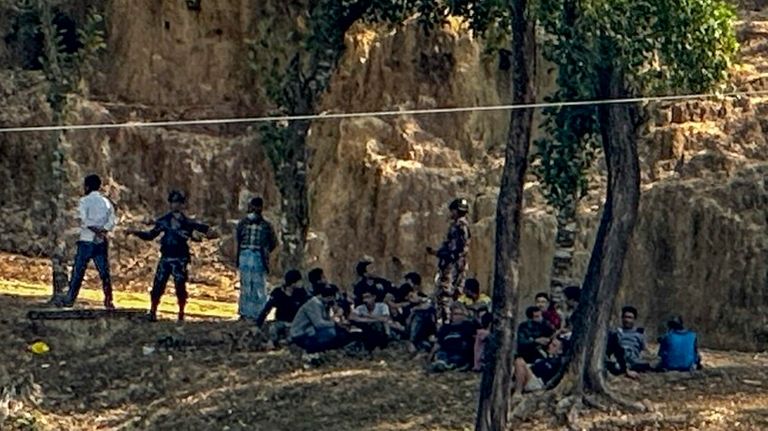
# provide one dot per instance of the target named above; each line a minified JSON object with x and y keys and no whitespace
{"x":476,"y":302}
{"x":313,"y":329}
{"x":374,"y":319}
{"x":455,"y":341}
{"x":316,"y":277}
{"x":368,"y":282}
{"x":572,"y":296}
{"x":539,"y":375}
{"x":397,"y":300}
{"x":547,"y":307}
{"x":630,"y":341}
{"x":533,"y":336}
{"x":615,"y":359}
{"x":678,"y":348}
{"x":479,"y":305}
{"x":421,"y":323}
{"x":286,"y":300}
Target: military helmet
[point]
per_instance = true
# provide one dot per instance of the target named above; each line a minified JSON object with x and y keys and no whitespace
{"x":176,"y":196}
{"x":459,"y":204}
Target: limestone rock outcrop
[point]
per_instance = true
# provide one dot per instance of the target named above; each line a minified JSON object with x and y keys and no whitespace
{"x":379,"y":185}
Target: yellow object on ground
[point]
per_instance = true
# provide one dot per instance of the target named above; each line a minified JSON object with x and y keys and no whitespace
{"x":39,"y":348}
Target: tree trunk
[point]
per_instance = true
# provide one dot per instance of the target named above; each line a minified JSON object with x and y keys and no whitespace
{"x":302,"y":91}
{"x":57,"y":101}
{"x":496,"y":387}
{"x":294,"y":204}
{"x":562,"y":262}
{"x":57,"y":219}
{"x":603,"y":278}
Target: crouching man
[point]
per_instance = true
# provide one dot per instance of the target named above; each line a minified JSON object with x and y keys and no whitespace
{"x":313,"y":329}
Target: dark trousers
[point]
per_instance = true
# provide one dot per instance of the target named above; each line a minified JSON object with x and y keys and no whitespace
{"x":422,"y":327}
{"x":324,"y":339}
{"x":87,"y":251}
{"x":374,"y":335}
{"x":454,"y":359}
{"x":167,"y":267}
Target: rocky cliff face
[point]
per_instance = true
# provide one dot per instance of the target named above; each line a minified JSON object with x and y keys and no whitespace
{"x":380,"y":185}
{"x":700,"y":250}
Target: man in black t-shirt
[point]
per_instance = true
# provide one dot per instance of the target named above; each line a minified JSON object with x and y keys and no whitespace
{"x":398,"y":299}
{"x":415,"y":311}
{"x":369,"y":283}
{"x":533,"y":335}
{"x":455,"y":341}
{"x":316,"y":278}
{"x":286,"y":300}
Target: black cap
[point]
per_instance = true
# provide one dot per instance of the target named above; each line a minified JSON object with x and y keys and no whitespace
{"x":459,"y":204}
{"x":176,"y":196}
{"x":256,"y":202}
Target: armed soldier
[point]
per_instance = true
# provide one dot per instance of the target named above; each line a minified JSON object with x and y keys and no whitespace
{"x":452,"y":254}
{"x":177,"y":230}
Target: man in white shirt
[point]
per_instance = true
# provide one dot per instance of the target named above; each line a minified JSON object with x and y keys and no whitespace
{"x":97,"y":219}
{"x":375,"y":321}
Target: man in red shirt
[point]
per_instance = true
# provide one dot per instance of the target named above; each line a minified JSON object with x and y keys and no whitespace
{"x":551,"y":316}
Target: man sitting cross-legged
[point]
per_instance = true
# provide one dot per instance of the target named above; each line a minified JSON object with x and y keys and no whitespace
{"x":678,"y":348}
{"x":374,"y":319}
{"x":455,"y":341}
{"x":313,"y":329}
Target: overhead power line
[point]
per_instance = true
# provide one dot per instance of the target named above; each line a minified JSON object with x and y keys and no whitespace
{"x":392,"y":113}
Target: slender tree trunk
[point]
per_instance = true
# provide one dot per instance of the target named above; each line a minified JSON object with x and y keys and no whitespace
{"x":292,"y":182}
{"x":57,"y":219}
{"x":562,"y":262}
{"x":496,"y":388}
{"x":57,"y":101}
{"x":303,"y":90}
{"x":603,"y":279}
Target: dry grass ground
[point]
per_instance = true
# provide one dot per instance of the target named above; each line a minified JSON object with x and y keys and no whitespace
{"x":96,"y":376}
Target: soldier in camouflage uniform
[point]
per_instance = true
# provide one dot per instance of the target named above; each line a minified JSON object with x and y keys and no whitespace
{"x":452,"y":254}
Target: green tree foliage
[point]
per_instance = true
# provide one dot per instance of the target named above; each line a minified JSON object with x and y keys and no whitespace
{"x":661,"y":47}
{"x":296,"y":74}
{"x":65,"y":73}
{"x":617,"y":49}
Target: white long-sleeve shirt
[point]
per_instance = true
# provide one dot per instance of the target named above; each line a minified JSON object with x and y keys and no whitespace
{"x":95,"y":211}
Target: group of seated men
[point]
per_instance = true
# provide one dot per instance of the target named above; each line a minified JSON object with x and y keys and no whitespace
{"x":546,"y":335}
{"x":376,"y":312}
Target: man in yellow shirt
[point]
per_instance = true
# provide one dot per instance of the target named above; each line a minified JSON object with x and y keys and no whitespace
{"x":478,"y":303}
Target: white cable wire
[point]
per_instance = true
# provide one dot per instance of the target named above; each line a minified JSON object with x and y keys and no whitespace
{"x":432,"y":111}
